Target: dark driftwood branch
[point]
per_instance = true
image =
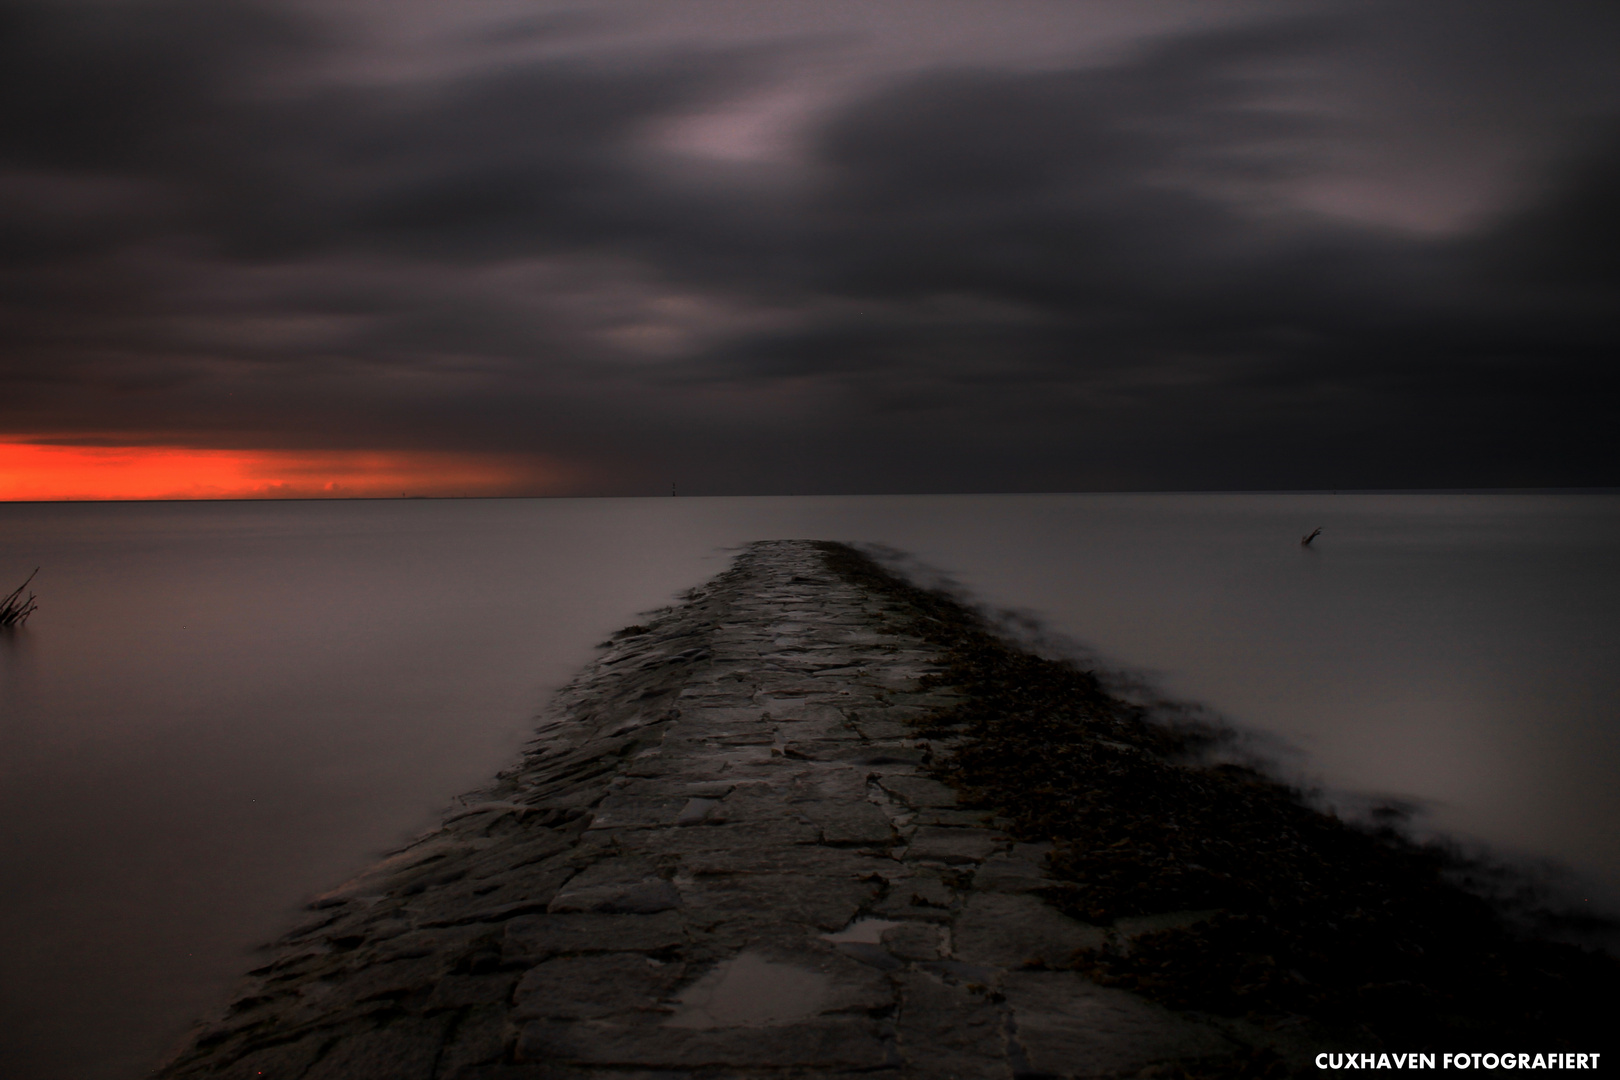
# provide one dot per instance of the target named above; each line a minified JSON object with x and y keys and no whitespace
{"x":1306,"y":540}
{"x":15,"y":608}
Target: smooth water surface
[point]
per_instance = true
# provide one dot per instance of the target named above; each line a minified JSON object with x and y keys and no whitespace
{"x":221,"y":709}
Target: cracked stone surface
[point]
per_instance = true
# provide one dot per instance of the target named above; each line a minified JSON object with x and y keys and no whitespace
{"x":720,"y":856}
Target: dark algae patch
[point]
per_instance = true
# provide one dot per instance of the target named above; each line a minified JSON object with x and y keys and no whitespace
{"x":1272,"y":911}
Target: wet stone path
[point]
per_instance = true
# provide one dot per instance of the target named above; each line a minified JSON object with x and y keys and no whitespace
{"x":720,"y":857}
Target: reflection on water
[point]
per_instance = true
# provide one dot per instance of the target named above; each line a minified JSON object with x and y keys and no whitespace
{"x":221,"y":709}
{"x":751,"y":991}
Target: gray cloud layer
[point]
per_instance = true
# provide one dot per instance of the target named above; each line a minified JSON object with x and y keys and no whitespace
{"x":1375,"y":246}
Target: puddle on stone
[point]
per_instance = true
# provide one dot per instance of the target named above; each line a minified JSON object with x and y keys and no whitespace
{"x":751,"y":991}
{"x":863,"y":931}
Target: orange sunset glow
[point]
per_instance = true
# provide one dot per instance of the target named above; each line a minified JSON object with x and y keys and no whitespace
{"x":33,"y":470}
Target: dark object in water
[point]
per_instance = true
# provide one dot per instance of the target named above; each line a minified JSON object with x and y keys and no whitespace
{"x":1305,"y":541}
{"x":15,"y":608}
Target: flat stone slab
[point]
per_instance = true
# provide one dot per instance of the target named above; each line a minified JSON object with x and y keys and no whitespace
{"x":722,"y":855}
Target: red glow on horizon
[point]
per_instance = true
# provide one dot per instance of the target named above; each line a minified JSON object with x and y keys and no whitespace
{"x":37,"y":471}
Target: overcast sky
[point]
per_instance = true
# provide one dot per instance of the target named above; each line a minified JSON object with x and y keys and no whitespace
{"x":753,"y":246}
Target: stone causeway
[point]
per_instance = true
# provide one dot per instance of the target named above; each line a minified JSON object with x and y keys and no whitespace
{"x":721,"y":856}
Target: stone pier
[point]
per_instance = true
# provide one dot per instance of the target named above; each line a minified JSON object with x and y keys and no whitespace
{"x":722,"y":856}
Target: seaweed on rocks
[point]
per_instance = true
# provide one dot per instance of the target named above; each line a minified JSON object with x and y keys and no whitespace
{"x":1227,"y":893}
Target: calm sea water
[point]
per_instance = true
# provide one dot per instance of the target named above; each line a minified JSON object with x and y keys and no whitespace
{"x":222,"y":708}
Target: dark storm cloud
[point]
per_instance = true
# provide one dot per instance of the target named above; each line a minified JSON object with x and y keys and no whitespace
{"x":1572,"y":236}
{"x":184,"y":230}
{"x":1208,"y":342}
{"x":966,"y":278}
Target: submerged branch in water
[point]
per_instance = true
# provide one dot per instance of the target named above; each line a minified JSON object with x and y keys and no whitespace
{"x":15,"y":608}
